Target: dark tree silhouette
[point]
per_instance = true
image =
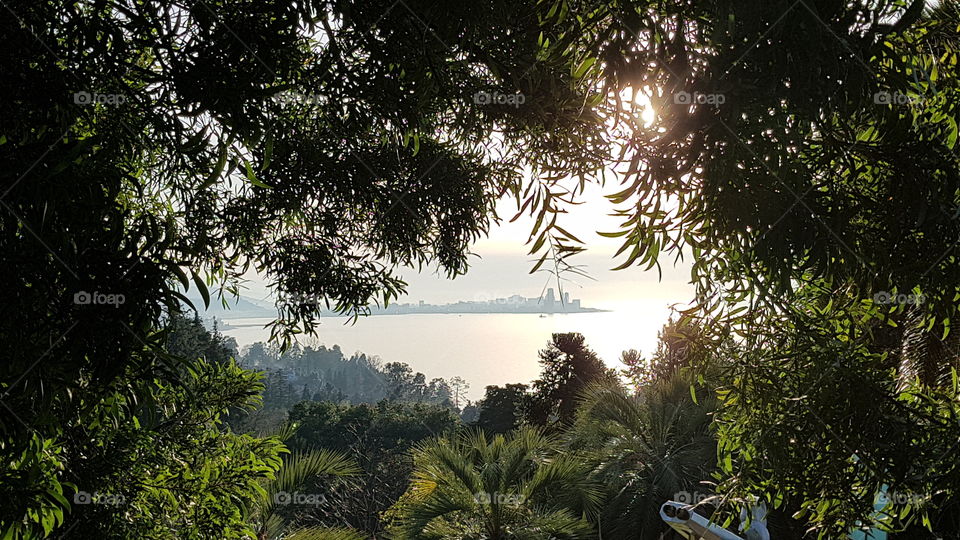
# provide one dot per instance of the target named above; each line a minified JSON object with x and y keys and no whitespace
{"x":503,"y":407}
{"x":568,"y":367}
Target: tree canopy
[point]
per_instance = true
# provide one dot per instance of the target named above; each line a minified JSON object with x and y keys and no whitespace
{"x":153,"y":146}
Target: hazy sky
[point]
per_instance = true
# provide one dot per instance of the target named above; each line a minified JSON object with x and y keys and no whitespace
{"x":503,"y":265}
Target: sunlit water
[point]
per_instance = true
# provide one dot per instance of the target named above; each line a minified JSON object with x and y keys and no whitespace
{"x":484,"y":349}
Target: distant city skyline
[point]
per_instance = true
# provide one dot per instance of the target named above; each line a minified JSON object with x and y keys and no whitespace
{"x":245,"y":308}
{"x":548,"y":303}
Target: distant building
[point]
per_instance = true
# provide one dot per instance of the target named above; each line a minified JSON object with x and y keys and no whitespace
{"x":550,"y":299}
{"x":566,"y":299}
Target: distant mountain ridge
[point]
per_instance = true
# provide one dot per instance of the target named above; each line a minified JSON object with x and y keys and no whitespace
{"x":240,"y":308}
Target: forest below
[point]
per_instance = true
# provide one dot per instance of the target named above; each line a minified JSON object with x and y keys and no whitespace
{"x":361,"y":433}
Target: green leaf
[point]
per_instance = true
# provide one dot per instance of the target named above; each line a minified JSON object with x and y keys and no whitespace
{"x":539,"y":243}
{"x":951,"y":133}
{"x":267,"y":153}
{"x":567,"y":234}
{"x":217,"y":169}
{"x":202,"y":289}
{"x":252,"y":176}
{"x":537,"y":266}
{"x":581,"y":70}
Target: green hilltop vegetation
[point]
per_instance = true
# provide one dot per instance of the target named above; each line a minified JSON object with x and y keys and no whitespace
{"x":322,"y":374}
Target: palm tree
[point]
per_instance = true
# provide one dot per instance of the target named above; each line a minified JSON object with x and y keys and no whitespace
{"x":646,"y":448}
{"x":509,"y":487}
{"x":294,"y":474}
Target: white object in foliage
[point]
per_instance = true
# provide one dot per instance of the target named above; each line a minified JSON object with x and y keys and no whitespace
{"x":684,"y":520}
{"x":758,"y":522}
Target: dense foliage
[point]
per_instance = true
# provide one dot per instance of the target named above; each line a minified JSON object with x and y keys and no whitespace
{"x":514,"y":486}
{"x":804,"y":155}
{"x":645,"y":449}
{"x":148,"y":460}
{"x":152,"y":146}
{"x":321,"y":374}
{"x":378,"y":438}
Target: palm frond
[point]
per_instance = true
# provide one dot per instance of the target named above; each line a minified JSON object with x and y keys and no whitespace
{"x":560,"y":524}
{"x":324,"y":534}
{"x":476,"y":487}
{"x":297,"y":469}
{"x":440,"y":462}
{"x":566,"y":478}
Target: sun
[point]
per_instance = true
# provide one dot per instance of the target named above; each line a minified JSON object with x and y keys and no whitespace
{"x":647,"y":112}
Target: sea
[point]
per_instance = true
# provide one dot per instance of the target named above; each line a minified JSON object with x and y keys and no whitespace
{"x":485,"y":349}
